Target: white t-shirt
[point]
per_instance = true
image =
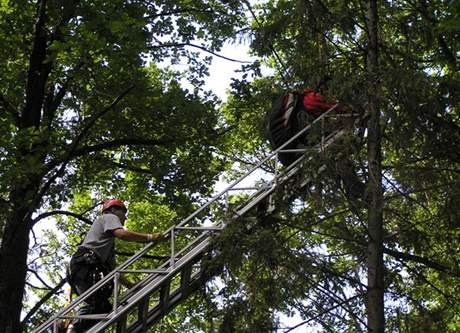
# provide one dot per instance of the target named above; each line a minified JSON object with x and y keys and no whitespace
{"x":100,"y":238}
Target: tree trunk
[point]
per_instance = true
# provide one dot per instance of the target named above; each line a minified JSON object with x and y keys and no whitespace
{"x":375,"y":264}
{"x":13,"y":263}
{"x":23,"y":197}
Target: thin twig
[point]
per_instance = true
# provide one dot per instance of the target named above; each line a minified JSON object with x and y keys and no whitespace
{"x":45,"y":298}
{"x":61,"y":212}
{"x":73,"y":146}
{"x":201,"y":48}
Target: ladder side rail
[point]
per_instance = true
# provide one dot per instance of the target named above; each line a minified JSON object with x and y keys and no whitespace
{"x":181,"y":254}
{"x":302,"y":131}
{"x":267,"y":158}
{"x":249,"y":204}
{"x":164,"y":266}
{"x":263,"y":192}
{"x":330,"y":139}
{"x":138,"y":255}
{"x":285,"y":175}
{"x":93,"y":289}
{"x":150,"y":288}
{"x":176,"y":297}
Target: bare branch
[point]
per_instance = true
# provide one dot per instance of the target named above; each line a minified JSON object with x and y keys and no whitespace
{"x":45,"y":298}
{"x":118,"y":143}
{"x":421,"y":260}
{"x":61,"y":212}
{"x":179,"y":45}
{"x":319,"y":315}
{"x":406,"y":195}
{"x":130,"y":254}
{"x":76,"y":141}
{"x":36,"y":287}
{"x":39,"y":278}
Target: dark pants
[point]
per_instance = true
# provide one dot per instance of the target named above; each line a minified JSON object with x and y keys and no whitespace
{"x":85,"y":271}
{"x":279,"y":133}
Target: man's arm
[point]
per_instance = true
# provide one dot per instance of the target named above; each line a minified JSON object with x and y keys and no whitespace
{"x":132,"y":236}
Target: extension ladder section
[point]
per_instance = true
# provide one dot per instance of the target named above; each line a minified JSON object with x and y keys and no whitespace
{"x":185,"y":268}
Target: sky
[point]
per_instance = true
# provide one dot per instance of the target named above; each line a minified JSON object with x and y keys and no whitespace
{"x":222,"y":71}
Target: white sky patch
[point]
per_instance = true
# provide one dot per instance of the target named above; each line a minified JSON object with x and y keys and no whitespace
{"x":222,"y":70}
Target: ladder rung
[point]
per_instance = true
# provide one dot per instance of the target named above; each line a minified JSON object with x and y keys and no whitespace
{"x":199,"y":228}
{"x":293,"y":150}
{"x":189,"y":256}
{"x":164,"y":296}
{"x":148,"y":271}
{"x":248,"y":188}
{"x":87,"y":316}
{"x":143,"y":311}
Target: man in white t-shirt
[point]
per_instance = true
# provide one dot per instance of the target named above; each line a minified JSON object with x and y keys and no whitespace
{"x":95,"y":257}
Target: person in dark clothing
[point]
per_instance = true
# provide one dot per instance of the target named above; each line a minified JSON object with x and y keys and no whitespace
{"x":293,"y":112}
{"x":290,"y":114}
{"x":95,"y":258}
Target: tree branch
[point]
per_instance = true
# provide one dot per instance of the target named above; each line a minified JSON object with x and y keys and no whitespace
{"x":36,"y":287}
{"x":118,"y":143}
{"x":39,"y":278}
{"x":423,"y":168}
{"x":448,"y":54}
{"x":11,"y":109}
{"x":69,"y":10}
{"x":124,"y":166}
{"x":45,"y":298}
{"x":406,"y":195}
{"x":185,"y":10}
{"x":437,"y":289}
{"x":61,"y":212}
{"x":179,"y":45}
{"x":53,"y":101}
{"x":319,"y":315}
{"x":38,"y":72}
{"x":76,"y":141}
{"x":181,"y":11}
{"x":427,"y":262}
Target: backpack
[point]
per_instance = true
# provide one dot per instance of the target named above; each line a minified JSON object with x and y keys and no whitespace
{"x":286,"y":118}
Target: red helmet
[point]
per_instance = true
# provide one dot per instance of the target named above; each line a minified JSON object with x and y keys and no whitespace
{"x":113,"y":202}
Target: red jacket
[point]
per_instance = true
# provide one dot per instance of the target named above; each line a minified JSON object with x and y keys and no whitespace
{"x":315,"y":103}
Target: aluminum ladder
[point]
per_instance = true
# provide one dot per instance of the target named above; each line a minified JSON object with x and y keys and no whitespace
{"x":162,"y":288}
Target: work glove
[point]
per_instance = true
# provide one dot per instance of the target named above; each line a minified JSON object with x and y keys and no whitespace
{"x":157,"y":237}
